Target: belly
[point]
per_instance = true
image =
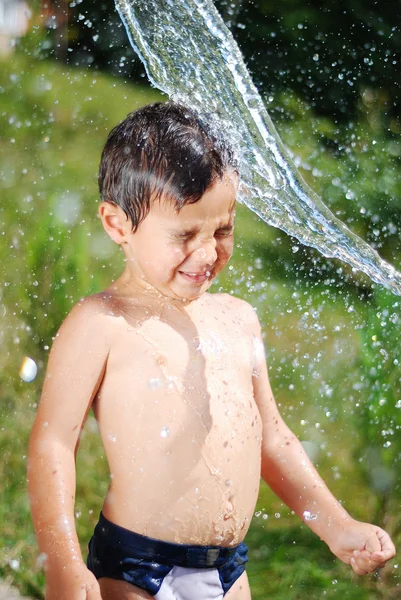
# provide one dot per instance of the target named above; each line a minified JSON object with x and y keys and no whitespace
{"x":183,"y":474}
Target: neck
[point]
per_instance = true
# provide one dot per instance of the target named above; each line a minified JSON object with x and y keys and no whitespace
{"x":133,"y":287}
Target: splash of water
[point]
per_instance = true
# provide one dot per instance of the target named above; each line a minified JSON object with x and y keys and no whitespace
{"x":190,"y":54}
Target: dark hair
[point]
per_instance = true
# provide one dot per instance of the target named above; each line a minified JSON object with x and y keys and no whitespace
{"x":163,"y":149}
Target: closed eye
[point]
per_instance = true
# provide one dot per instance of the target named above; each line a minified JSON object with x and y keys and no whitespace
{"x":225,"y":231}
{"x":184,"y":236}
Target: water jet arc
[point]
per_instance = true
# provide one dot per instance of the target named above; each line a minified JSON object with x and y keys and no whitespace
{"x":191,"y":55}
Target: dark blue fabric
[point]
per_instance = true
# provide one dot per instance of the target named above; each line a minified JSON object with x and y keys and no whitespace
{"x":117,"y":562}
{"x":232,"y":570}
{"x":119,"y":553}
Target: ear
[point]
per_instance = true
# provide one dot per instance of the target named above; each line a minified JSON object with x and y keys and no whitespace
{"x":115,"y":222}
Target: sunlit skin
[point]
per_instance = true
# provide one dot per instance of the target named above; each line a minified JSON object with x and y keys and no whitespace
{"x":178,"y":383}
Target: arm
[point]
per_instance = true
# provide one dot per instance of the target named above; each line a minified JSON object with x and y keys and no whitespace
{"x":75,"y":370}
{"x":287,"y":469}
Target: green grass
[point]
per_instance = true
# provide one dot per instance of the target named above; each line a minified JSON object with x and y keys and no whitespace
{"x":54,"y":121}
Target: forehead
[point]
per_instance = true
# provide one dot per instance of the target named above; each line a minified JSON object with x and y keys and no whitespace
{"x":216,"y":207}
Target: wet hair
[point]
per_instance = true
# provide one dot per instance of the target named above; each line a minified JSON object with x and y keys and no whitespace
{"x":161,"y":151}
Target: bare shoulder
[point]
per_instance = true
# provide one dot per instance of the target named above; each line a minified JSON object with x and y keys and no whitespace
{"x":90,"y":315}
{"x":101,"y":304}
{"x":242,"y":313}
{"x":79,"y":356}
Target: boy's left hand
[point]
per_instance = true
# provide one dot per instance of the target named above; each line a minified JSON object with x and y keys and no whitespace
{"x":363,"y":546}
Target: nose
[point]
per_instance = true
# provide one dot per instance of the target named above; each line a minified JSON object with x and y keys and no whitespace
{"x":206,"y":253}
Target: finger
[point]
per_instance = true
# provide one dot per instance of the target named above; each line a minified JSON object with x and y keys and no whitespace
{"x":373,"y":543}
{"x":387,"y":550}
{"x":363,"y":562}
{"x":356,"y":568}
{"x":369,"y":562}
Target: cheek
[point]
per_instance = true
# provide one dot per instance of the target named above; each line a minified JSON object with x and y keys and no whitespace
{"x":171,"y":257}
{"x":177,"y":255}
{"x":225,"y":250}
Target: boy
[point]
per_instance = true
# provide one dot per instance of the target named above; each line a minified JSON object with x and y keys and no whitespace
{"x":178,"y":383}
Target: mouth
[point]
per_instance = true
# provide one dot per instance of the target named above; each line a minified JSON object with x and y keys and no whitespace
{"x":196,"y":277}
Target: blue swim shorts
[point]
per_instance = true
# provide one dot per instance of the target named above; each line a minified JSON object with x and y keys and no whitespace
{"x":165,"y":570}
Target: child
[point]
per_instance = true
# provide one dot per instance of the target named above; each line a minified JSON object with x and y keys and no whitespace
{"x":178,"y":383}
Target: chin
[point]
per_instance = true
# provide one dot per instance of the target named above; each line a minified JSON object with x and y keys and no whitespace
{"x":192,"y":294}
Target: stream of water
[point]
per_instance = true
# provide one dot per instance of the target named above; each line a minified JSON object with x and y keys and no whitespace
{"x":191,"y":55}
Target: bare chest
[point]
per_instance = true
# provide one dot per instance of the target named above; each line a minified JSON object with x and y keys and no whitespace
{"x":182,"y":353}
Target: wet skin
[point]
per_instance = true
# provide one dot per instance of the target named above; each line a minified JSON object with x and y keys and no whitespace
{"x":183,"y":433}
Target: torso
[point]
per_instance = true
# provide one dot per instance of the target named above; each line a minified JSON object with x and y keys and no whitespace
{"x":179,"y":423}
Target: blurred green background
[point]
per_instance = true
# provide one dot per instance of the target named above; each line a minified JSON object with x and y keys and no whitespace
{"x":332,"y":337}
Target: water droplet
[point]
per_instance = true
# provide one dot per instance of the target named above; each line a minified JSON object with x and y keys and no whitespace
{"x":258,"y":355}
{"x":309,"y":516}
{"x":28,"y":369}
{"x":112,"y":437}
{"x":154,"y":383}
{"x":14,"y":564}
{"x":41,"y":560}
{"x":67,"y":208}
{"x":165,"y":432}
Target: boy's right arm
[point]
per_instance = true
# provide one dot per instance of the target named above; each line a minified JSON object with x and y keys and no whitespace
{"x":75,"y":370}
